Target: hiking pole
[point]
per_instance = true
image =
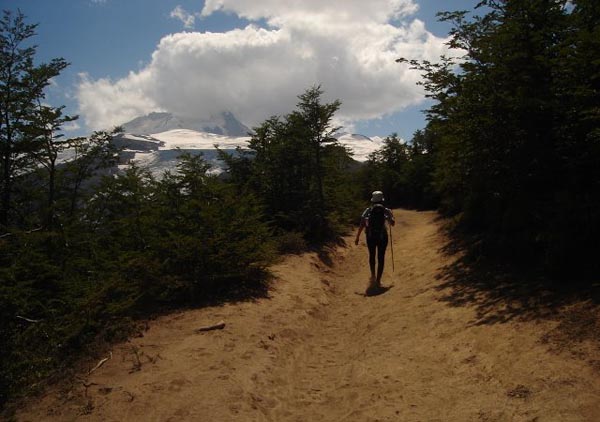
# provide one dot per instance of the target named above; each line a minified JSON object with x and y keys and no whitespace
{"x":392,"y":249}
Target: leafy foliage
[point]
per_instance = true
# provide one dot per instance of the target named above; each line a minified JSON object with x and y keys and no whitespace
{"x":85,"y":248}
{"x":134,"y":246}
{"x":298,"y":170}
{"x":515,"y":130}
{"x":402,"y":171}
{"x":22,"y":117}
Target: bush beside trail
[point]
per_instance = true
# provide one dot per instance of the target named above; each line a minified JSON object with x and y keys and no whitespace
{"x":138,"y":246}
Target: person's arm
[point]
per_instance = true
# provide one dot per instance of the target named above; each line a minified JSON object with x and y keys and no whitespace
{"x":363,"y":224}
{"x":390,"y":217}
{"x":360,"y":229}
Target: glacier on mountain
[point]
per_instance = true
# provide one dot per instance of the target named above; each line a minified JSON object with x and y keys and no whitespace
{"x":155,"y":141}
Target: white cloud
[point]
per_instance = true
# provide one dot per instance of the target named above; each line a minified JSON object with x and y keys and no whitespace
{"x":279,"y":13}
{"x":104,"y":104}
{"x":347,"y":46}
{"x":184,"y":16}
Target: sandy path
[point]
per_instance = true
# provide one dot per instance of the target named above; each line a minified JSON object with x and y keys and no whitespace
{"x":317,"y":351}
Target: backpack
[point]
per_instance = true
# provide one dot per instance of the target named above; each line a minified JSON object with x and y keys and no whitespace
{"x":376,"y":222}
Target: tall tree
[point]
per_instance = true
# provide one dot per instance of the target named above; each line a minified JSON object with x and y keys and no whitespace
{"x":313,"y":120}
{"x":46,"y":144}
{"x":291,"y":163}
{"x":22,"y":85}
{"x":515,"y":130}
{"x":90,"y":155}
{"x":384,"y":170}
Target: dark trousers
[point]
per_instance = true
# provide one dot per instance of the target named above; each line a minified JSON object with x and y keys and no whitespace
{"x":377,"y":243}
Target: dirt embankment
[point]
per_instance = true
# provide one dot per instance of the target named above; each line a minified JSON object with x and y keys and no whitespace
{"x":318,"y":350}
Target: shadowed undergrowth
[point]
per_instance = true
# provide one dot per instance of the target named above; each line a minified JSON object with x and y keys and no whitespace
{"x":501,"y":294}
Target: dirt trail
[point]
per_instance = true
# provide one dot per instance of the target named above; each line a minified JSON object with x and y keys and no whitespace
{"x":318,"y":351}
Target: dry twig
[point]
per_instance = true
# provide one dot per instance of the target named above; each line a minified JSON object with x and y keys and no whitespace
{"x":102,"y":362}
{"x":218,"y":326}
{"x":33,"y":321}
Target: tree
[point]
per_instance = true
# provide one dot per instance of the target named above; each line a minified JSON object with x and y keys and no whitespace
{"x":515,"y":129}
{"x":384,"y":171}
{"x":293,"y":161}
{"x":313,"y":121}
{"x":22,"y":85}
{"x":420,"y":171}
{"x":90,"y":155}
{"x":46,"y":145}
{"x":403,"y":171}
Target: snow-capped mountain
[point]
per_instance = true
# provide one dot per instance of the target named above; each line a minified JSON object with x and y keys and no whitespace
{"x":156,"y":140}
{"x":159,"y":151}
{"x":360,"y":145}
{"x":157,"y":122}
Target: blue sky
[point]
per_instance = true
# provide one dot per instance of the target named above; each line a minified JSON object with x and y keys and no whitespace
{"x":110,"y":45}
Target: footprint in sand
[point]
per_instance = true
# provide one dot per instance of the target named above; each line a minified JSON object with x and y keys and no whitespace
{"x":178,"y":384}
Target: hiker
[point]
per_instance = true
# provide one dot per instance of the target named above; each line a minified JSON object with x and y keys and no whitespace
{"x":373,"y":221}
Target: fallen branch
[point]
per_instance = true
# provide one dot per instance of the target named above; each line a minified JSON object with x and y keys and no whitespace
{"x":218,"y":326}
{"x":33,"y":321}
{"x":102,"y":361}
{"x":37,"y":229}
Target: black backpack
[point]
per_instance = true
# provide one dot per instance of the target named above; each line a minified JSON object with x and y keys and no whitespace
{"x":377,"y":219}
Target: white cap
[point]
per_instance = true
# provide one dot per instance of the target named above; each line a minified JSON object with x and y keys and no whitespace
{"x":377,"y":196}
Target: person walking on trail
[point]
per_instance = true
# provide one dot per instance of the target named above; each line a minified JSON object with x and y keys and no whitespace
{"x":373,"y":221}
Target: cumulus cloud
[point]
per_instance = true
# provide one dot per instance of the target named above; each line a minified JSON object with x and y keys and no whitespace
{"x":104,"y":103}
{"x":184,"y":16}
{"x":279,"y":13}
{"x":349,"y":47}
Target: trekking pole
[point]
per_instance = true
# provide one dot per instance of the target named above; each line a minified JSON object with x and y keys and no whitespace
{"x":392,"y":249}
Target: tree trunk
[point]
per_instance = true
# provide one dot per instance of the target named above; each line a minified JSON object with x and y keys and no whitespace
{"x":6,"y":186}
{"x":51,"y":195}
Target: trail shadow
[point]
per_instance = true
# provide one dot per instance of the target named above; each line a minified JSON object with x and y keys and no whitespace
{"x":256,"y":285}
{"x":375,"y":291}
{"x":500,"y":294}
{"x":326,"y":257}
{"x":327,"y":252}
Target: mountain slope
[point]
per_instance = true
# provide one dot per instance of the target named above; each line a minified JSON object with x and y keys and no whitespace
{"x":159,"y":151}
{"x":223,"y":124}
